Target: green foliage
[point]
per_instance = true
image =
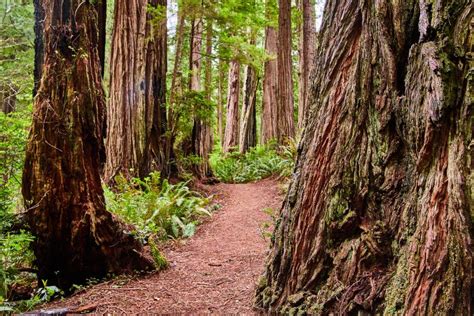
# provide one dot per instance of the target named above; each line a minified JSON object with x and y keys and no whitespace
{"x":15,"y":252}
{"x":14,"y":255}
{"x":259,"y":163}
{"x":157,"y":208}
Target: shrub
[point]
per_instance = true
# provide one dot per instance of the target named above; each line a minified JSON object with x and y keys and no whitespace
{"x":259,"y":163}
{"x":157,"y":208}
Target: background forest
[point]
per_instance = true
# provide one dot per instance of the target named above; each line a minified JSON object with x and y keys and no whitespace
{"x":217,"y":120}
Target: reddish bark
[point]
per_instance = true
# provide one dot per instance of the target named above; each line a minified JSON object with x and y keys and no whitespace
{"x":285,"y":119}
{"x":136,"y":120}
{"x":75,"y":237}
{"x":306,"y":53}
{"x":378,"y":218}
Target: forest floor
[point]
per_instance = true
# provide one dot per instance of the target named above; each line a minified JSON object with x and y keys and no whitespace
{"x":215,"y":271}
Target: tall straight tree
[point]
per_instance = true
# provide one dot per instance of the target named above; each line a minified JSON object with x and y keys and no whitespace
{"x":270,"y":80}
{"x":136,"y":112}
{"x":231,"y":136}
{"x":307,"y":47}
{"x":220,"y":101}
{"x":378,"y":219}
{"x":285,"y":120}
{"x":201,"y":134}
{"x":75,"y":237}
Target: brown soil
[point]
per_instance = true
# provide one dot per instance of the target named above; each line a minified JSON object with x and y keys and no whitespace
{"x":215,"y":271}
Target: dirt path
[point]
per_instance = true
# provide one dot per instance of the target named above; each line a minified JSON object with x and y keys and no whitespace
{"x":213,"y":272}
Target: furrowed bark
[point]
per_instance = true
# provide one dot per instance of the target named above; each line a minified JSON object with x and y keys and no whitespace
{"x":306,"y":55}
{"x":136,"y":120}
{"x":378,"y":218}
{"x":75,"y":237}
{"x":231,"y":136}
{"x":285,"y":119}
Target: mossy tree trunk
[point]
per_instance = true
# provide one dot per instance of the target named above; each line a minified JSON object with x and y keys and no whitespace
{"x":75,"y":237}
{"x":136,"y":112}
{"x":378,"y":218}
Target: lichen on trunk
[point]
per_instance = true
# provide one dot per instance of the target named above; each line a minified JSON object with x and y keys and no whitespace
{"x":378,"y":218}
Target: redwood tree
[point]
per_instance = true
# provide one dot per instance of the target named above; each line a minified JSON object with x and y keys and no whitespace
{"x":75,"y":237}
{"x":378,"y":218}
{"x":307,"y":47}
{"x":270,"y":83}
{"x":231,"y":136}
{"x":136,"y":112}
{"x":285,"y":120}
{"x":201,"y":134}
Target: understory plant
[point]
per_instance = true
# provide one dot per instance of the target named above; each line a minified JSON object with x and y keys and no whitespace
{"x":157,"y":208}
{"x":259,"y":163}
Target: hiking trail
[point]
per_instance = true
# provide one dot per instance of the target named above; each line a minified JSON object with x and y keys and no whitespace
{"x":215,"y":271}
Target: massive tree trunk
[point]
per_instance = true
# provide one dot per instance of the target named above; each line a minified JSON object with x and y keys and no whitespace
{"x":248,"y":130}
{"x":75,"y":237}
{"x":307,"y":48}
{"x":285,"y":119}
{"x":136,"y":112}
{"x":231,"y":136}
{"x":201,"y":135}
{"x":101,"y":8}
{"x":270,"y":83}
{"x":379,"y":216}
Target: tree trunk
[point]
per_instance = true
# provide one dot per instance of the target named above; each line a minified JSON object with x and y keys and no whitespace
{"x":75,"y":237}
{"x":201,"y":135}
{"x":286,"y":125}
{"x":178,"y":57}
{"x":136,"y":120}
{"x":8,"y":98}
{"x":306,"y":53}
{"x":101,"y":8}
{"x":176,"y":89}
{"x":39,"y":43}
{"x":231,"y":136}
{"x":378,"y":218}
{"x":220,"y":102}
{"x":248,"y":131}
{"x":270,"y":84}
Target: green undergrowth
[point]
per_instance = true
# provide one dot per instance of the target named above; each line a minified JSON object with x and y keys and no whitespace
{"x":157,"y":208}
{"x":259,"y":163}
